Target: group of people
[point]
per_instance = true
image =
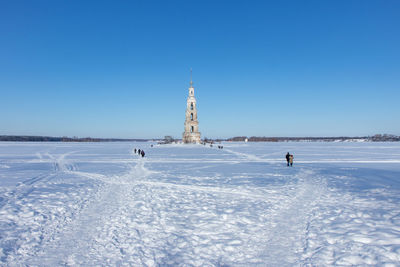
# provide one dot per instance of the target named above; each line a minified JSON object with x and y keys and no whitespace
{"x":219,"y":147}
{"x":289,"y":159}
{"x":139,"y":151}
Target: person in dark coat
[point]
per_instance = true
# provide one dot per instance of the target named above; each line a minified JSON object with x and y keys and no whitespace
{"x":138,"y":151}
{"x":134,"y":150}
{"x":142,"y":154}
{"x":288,"y":158}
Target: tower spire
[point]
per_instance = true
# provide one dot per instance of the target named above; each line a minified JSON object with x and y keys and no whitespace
{"x":191,"y":82}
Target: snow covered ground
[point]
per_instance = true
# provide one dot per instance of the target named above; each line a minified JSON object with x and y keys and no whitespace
{"x":99,"y":204}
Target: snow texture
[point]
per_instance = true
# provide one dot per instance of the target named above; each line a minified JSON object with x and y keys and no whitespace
{"x":99,"y":204}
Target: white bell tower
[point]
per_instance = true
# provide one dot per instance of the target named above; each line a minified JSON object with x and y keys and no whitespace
{"x":191,"y":133}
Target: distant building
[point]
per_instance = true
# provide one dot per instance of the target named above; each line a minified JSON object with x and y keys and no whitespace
{"x":168,"y":139}
{"x":191,"y":133}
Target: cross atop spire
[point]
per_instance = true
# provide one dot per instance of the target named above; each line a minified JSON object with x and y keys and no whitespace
{"x":191,"y":82}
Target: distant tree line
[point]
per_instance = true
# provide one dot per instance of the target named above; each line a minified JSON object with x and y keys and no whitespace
{"x":18,"y":138}
{"x":374,"y":138}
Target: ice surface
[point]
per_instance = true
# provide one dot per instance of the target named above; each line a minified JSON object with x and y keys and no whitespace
{"x":98,"y":204}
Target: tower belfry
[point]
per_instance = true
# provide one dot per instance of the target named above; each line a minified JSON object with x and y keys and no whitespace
{"x":191,"y":133}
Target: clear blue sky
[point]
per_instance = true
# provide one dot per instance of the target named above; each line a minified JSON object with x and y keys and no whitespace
{"x":262,"y":68}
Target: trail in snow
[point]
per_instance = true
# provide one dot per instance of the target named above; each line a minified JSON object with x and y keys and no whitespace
{"x":34,"y":210}
{"x":286,"y":236}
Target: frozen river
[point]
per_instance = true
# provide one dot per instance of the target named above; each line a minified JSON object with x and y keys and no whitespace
{"x":99,"y":204}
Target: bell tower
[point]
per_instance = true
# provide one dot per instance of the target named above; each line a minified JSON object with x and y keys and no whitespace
{"x":191,"y":133}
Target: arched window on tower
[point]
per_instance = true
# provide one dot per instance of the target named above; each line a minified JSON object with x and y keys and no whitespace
{"x":191,"y":106}
{"x":191,"y":116}
{"x":191,"y":129}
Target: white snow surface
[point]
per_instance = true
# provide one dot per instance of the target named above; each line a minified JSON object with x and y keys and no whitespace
{"x":99,"y":204}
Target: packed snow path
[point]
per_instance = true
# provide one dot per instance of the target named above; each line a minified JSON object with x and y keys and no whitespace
{"x":102,"y":205}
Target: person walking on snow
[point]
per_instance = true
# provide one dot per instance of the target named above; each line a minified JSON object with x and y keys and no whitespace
{"x":288,"y":158}
{"x":291,"y":160}
{"x":138,"y":151}
{"x":142,"y":154}
{"x":134,"y":150}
